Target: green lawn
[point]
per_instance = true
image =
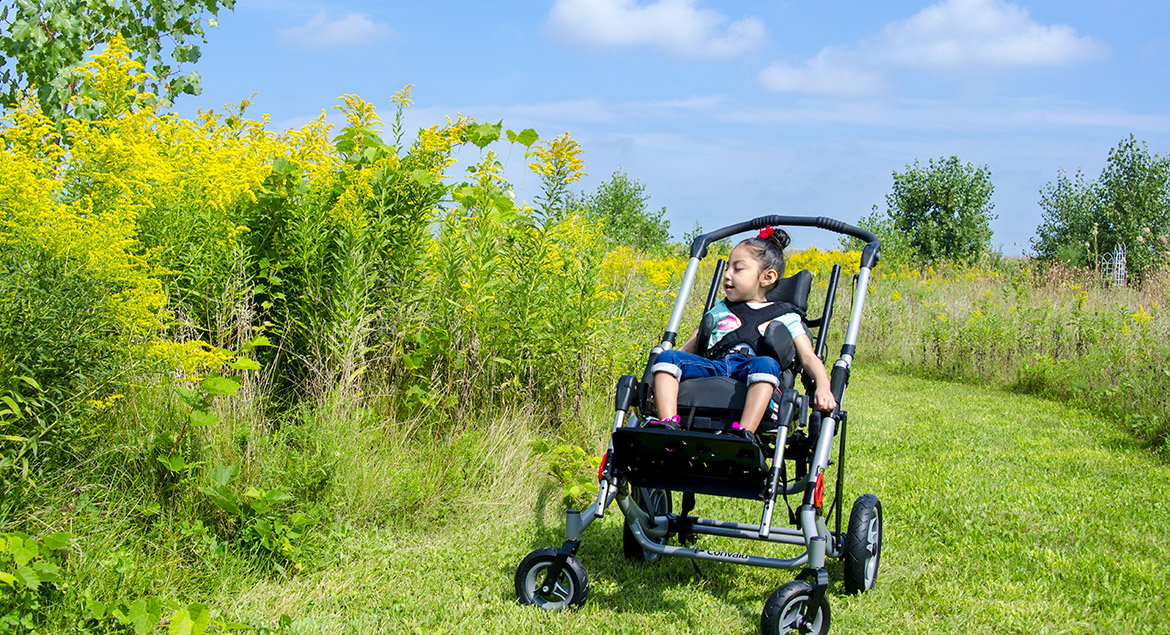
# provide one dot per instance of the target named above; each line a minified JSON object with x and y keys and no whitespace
{"x":1004,"y":514}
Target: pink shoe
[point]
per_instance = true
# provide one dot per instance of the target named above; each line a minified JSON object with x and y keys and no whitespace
{"x":670,"y":423}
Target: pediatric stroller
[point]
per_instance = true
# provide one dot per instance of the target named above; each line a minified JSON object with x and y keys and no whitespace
{"x":645,"y":466}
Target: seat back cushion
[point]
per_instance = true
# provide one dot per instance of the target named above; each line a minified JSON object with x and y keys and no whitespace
{"x":794,"y":289}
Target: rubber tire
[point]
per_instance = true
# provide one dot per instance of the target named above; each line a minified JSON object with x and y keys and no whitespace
{"x":863,"y":544}
{"x":782,"y":610}
{"x":630,"y":546}
{"x":571,"y":591}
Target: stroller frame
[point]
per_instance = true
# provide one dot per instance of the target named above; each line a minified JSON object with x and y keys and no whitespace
{"x":641,"y":461}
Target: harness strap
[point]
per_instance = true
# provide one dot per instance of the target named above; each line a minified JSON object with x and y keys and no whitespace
{"x":749,"y":329}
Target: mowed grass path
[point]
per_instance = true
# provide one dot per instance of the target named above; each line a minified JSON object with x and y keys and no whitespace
{"x":1004,"y":514}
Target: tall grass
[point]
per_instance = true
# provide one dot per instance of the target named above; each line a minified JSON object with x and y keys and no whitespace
{"x":1045,"y":330}
{"x":412,"y":332}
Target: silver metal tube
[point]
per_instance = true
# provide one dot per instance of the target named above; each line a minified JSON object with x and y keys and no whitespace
{"x":575,"y":524}
{"x":603,"y":488}
{"x":680,"y":303}
{"x":830,"y":545}
{"x":824,"y":445}
{"x":774,"y":480}
{"x":795,"y":538}
{"x":808,"y":523}
{"x":858,"y":305}
{"x":816,"y":553}
{"x":745,"y":527}
{"x":716,"y":556}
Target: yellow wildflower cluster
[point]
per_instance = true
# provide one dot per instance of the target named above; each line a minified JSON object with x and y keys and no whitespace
{"x":1141,"y":316}
{"x":440,"y":140}
{"x":193,"y":358}
{"x":559,"y":160}
{"x":820,"y":262}
{"x":623,"y":267}
{"x":359,"y":113}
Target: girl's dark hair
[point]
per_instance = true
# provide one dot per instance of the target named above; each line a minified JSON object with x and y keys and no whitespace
{"x":769,"y":251}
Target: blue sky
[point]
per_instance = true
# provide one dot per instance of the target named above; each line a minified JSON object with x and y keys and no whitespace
{"x":731,"y":109}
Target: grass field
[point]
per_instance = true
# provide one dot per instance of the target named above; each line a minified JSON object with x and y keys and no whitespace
{"x":1004,"y":514}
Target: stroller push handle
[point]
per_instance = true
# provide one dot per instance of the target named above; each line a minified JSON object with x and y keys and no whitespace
{"x":869,"y":258}
{"x":700,"y":244}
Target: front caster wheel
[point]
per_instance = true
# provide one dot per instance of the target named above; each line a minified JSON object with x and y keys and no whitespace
{"x":784,"y":611}
{"x":569,"y":591}
{"x":863,"y":544}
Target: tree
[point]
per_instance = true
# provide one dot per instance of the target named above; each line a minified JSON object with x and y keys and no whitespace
{"x":943,"y":211}
{"x":621,"y":202}
{"x":1129,"y":205}
{"x":45,"y":41}
{"x":1069,"y":231}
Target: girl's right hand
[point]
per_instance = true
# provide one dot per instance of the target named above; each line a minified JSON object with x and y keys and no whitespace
{"x":823,"y":399}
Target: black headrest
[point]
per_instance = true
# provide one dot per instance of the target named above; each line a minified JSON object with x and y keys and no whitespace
{"x":793,"y":289}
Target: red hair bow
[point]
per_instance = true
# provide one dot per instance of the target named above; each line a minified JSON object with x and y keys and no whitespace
{"x":766,"y":232}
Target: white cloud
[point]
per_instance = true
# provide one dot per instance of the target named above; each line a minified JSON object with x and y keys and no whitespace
{"x":987,"y":35}
{"x":962,"y":33}
{"x":677,"y":26}
{"x":829,"y":73}
{"x":355,"y":30}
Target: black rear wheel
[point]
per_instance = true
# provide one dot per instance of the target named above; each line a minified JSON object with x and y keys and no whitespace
{"x":863,"y":544}
{"x":655,"y":502}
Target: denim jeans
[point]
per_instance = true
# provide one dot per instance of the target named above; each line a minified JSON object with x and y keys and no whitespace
{"x":748,"y":370}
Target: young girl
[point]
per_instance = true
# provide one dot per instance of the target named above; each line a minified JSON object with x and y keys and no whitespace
{"x":754,"y":267}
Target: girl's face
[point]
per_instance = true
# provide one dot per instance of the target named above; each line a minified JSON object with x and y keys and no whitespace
{"x":744,"y":281}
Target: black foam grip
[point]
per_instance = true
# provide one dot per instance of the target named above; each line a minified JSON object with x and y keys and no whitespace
{"x":838,"y":381}
{"x":623,"y":397}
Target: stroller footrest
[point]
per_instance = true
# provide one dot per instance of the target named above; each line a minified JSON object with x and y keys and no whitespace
{"x":685,"y":461}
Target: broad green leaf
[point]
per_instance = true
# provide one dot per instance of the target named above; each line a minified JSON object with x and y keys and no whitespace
{"x":95,"y":609}
{"x":485,"y":133}
{"x":23,"y":549}
{"x":278,"y":496}
{"x":188,"y":396}
{"x":190,"y":620}
{"x":222,"y":499}
{"x":422,"y":177}
{"x":173,"y":463}
{"x":47,"y":571}
{"x":525,"y":137}
{"x":28,"y":577}
{"x":57,"y":541}
{"x":220,"y":385}
{"x":221,"y":475}
{"x":202,"y":418}
{"x":8,"y":578}
{"x":144,"y":615}
{"x":258,"y":341}
{"x":244,"y":363}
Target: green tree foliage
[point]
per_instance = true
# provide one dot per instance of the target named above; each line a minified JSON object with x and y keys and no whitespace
{"x":1128,"y":205}
{"x":45,"y":41}
{"x":621,"y":202}
{"x":940,"y":212}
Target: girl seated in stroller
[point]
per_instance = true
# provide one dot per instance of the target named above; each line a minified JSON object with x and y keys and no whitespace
{"x":735,"y":347}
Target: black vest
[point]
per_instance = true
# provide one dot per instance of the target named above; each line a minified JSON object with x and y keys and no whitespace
{"x":775,"y":342}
